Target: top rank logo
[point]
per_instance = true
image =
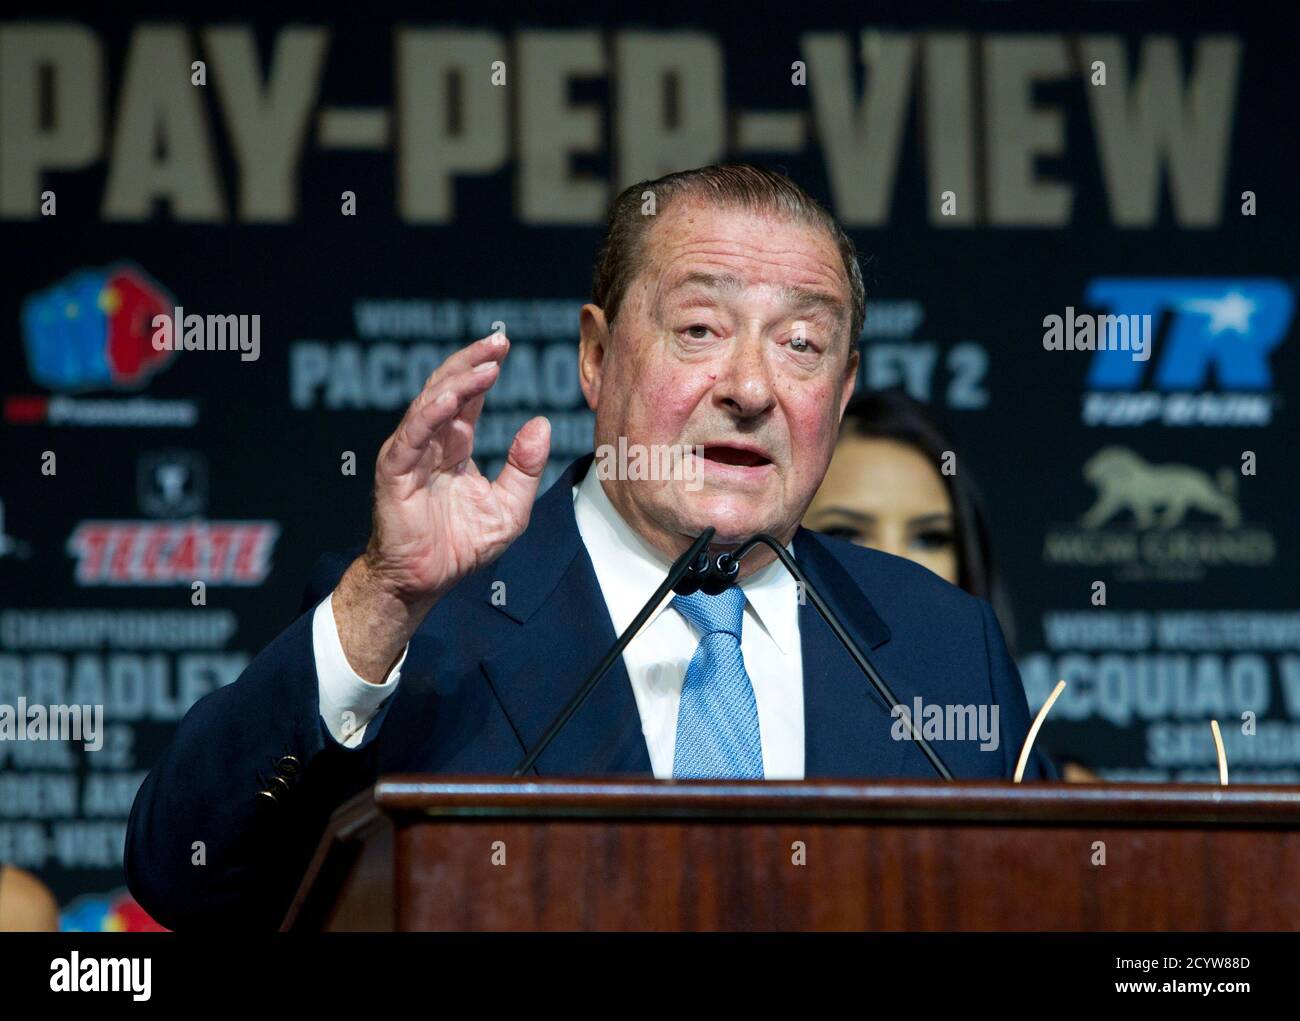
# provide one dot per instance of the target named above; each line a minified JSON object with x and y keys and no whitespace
{"x":1217,"y":332}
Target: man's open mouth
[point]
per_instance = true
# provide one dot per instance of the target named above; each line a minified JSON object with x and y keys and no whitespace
{"x":739,"y":456}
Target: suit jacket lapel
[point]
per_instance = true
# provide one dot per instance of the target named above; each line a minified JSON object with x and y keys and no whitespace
{"x":846,"y":722}
{"x":563,"y":629}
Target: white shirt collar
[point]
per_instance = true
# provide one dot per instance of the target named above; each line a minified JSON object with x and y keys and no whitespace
{"x":771,"y":595}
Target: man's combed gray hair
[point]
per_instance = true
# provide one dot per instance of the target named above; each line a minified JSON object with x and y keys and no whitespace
{"x":734,"y":184}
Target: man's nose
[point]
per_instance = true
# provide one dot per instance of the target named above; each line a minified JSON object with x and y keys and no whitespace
{"x":745,"y":385}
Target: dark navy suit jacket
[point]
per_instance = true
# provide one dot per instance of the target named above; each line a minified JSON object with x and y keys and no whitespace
{"x":481,"y":683}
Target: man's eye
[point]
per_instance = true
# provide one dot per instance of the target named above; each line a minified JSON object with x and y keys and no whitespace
{"x":800,"y":343}
{"x":701,"y":335}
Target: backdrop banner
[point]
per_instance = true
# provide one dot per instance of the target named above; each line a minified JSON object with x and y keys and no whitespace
{"x":1077,"y":225}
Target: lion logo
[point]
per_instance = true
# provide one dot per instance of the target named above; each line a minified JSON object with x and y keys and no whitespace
{"x":1125,"y":481}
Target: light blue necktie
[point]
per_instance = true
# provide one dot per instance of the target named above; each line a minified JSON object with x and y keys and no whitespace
{"x":717,"y":722}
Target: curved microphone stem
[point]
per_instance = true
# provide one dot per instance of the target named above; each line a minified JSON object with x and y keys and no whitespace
{"x":688,"y":561}
{"x":729,"y":565}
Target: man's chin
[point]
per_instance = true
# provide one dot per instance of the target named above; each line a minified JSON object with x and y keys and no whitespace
{"x":735,"y":517}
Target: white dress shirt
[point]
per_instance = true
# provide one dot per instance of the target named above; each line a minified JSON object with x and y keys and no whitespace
{"x":628,"y":571}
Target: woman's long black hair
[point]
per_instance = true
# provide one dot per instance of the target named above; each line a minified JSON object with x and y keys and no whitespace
{"x":894,"y":415}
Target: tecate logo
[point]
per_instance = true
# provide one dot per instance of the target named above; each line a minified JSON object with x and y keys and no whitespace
{"x":173,"y":552}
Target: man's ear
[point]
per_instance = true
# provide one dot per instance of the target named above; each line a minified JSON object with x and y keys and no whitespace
{"x":592,"y":348}
{"x":850,"y":380}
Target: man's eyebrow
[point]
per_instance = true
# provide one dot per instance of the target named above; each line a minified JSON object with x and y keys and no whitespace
{"x":710,"y":281}
{"x":801,"y":297}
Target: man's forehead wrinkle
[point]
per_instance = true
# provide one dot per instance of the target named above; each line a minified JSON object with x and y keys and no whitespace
{"x":790,"y":294}
{"x":681,"y":234}
{"x":694,"y":239}
{"x":812,"y":274}
{"x":826,"y":260}
{"x":816,"y":302}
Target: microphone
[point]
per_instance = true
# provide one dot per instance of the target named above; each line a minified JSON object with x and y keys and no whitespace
{"x":697,"y":571}
{"x":721,"y":571}
{"x":708,"y":574}
{"x":694,"y":567}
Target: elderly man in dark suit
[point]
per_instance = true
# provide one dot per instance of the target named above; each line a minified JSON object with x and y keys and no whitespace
{"x":722,"y":328}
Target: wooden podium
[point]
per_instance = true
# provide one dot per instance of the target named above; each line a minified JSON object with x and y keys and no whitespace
{"x":431,"y":853}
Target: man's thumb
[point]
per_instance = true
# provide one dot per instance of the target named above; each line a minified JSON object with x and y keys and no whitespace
{"x":522,"y":472}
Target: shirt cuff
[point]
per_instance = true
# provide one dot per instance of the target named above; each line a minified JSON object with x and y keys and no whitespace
{"x":347,"y":702}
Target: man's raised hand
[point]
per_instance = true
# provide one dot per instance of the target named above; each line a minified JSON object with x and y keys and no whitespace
{"x":436,"y":517}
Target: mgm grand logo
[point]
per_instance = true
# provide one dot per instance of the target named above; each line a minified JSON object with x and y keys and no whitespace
{"x":1158,"y":522}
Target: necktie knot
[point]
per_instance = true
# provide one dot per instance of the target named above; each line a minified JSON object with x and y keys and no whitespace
{"x":713,"y":614}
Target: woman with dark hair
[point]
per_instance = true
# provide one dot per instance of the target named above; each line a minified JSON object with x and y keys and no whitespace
{"x":886,"y":488}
